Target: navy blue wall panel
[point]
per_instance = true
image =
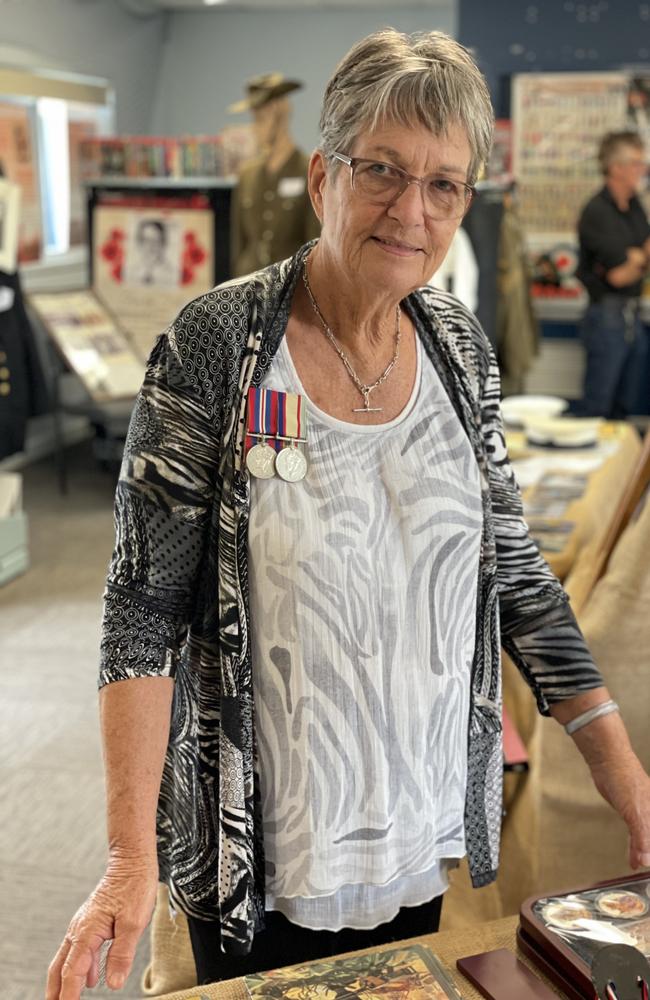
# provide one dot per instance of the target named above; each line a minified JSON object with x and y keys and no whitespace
{"x":515,"y":36}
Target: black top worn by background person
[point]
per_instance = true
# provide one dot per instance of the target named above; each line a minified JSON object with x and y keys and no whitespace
{"x":606,"y":233}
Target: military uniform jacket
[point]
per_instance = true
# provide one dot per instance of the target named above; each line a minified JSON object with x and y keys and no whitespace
{"x":272,"y":214}
{"x":177,"y":597}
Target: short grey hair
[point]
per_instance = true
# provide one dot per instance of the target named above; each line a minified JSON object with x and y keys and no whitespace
{"x":425,"y":78}
{"x":615,"y":145}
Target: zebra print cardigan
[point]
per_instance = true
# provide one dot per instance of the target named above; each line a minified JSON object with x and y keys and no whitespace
{"x":177,"y":603}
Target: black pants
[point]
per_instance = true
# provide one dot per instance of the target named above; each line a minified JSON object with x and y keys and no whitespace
{"x":284,"y":943}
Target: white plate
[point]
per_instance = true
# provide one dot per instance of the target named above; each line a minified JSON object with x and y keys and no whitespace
{"x":517,"y":410}
{"x":562,"y":433}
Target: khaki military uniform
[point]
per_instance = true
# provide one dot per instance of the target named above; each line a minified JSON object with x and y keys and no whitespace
{"x":272,"y":215}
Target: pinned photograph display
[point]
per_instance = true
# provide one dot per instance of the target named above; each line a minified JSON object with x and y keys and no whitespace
{"x":151,"y":254}
{"x":18,"y":164}
{"x":92,"y":344}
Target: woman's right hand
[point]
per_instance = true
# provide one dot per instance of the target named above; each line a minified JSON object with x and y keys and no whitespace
{"x":118,"y":909}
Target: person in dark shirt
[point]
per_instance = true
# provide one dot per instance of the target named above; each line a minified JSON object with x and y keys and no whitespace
{"x":614,"y":236}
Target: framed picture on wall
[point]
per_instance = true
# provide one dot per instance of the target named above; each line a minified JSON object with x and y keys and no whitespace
{"x":155,"y":249}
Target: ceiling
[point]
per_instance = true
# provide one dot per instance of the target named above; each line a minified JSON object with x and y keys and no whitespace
{"x":150,"y":6}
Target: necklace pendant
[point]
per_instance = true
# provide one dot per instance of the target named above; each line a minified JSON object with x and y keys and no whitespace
{"x":367,"y":408}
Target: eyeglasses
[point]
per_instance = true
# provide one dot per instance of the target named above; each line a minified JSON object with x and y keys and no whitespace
{"x":633,"y":161}
{"x":383,"y":183}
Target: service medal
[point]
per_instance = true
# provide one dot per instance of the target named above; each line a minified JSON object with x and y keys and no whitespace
{"x":275,"y":418}
{"x":260,"y":461}
{"x":291,"y":465}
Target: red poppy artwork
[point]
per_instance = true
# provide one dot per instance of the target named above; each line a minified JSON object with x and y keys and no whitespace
{"x":113,"y":252}
{"x":193,"y":256}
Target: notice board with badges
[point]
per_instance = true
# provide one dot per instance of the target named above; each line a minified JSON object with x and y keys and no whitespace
{"x":558,"y":121}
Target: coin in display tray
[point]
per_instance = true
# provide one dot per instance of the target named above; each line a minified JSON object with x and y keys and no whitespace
{"x":641,"y":934}
{"x":291,"y":465}
{"x":622,"y":905}
{"x":260,"y":461}
{"x":566,"y":913}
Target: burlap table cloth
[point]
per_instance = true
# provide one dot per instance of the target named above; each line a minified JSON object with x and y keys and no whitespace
{"x":447,"y":945}
{"x":557,"y":831}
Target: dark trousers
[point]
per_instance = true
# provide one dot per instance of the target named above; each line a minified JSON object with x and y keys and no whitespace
{"x":284,"y":943}
{"x":616,"y":346}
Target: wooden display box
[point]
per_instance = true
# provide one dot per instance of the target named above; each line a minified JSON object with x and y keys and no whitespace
{"x":562,"y":932}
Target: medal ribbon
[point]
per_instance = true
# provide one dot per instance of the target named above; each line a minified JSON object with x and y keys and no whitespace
{"x":272,"y":413}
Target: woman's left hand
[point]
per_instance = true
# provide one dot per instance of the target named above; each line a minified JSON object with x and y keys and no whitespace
{"x":616,"y":770}
{"x":626,"y":786}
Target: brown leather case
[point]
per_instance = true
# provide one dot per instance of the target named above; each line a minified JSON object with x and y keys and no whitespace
{"x":500,"y":975}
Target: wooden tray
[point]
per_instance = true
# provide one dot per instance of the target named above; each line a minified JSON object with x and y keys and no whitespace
{"x":567,"y":960}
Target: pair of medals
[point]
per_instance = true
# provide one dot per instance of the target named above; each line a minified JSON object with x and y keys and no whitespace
{"x":275,"y":427}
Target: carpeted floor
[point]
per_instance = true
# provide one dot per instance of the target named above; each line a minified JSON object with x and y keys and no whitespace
{"x":52,"y":834}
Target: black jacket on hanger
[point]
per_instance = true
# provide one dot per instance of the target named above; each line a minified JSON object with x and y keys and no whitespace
{"x":23,"y":391}
{"x":483,"y":226}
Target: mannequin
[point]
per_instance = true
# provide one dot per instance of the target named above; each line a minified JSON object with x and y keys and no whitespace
{"x":272,"y":215}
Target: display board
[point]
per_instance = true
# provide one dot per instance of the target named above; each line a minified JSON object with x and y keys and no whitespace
{"x":18,"y":163}
{"x":559,"y":120}
{"x":91,"y":343}
{"x":152,"y":252}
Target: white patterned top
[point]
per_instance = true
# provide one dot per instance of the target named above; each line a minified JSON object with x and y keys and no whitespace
{"x":363,"y":598}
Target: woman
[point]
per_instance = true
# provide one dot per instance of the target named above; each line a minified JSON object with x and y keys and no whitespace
{"x":328,"y":649}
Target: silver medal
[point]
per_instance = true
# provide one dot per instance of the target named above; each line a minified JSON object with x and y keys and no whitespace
{"x":260,"y":461}
{"x":291,"y":465}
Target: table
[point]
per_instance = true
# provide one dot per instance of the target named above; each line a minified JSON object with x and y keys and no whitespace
{"x":591,"y":513}
{"x":447,"y":945}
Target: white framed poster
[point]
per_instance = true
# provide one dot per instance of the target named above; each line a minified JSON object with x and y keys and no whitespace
{"x":151,"y":254}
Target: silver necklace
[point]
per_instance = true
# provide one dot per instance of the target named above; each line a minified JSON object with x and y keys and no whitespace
{"x":365,"y":390}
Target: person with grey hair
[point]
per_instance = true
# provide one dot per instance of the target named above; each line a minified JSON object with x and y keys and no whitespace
{"x":301,"y":649}
{"x":614,"y":237}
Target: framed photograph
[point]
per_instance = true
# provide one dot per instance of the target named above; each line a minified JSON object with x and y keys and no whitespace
{"x":151,"y":253}
{"x":91,"y":342}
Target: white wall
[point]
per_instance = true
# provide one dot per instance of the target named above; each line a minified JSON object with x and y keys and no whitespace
{"x":209,"y":54}
{"x":89,"y":36}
